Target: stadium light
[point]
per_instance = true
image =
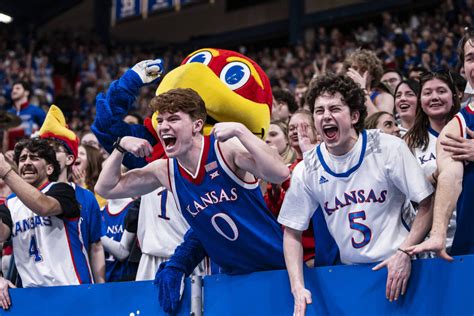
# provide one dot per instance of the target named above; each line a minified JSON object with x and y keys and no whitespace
{"x":5,"y":18}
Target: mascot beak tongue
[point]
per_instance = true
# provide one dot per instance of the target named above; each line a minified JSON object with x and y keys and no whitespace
{"x":222,"y":104}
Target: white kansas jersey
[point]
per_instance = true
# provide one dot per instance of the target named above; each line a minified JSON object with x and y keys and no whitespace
{"x":427,"y":158}
{"x":161,"y":226}
{"x":48,"y":250}
{"x":362,"y":194}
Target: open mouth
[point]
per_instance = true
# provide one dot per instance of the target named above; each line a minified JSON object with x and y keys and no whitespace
{"x":27,"y":172}
{"x":169,"y":141}
{"x":330,"y":132}
{"x":404,"y":106}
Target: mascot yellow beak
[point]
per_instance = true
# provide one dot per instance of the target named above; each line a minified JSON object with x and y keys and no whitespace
{"x":222,"y":104}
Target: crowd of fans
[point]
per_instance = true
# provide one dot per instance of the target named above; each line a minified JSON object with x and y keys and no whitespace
{"x":396,"y":63}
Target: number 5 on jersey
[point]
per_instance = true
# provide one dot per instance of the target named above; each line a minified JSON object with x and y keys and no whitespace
{"x":366,"y":232}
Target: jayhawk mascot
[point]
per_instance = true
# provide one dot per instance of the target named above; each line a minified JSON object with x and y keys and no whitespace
{"x":234,"y":89}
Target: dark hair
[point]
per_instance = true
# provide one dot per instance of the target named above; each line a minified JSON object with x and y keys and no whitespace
{"x":417,"y":136}
{"x":43,"y":149}
{"x":398,"y":72}
{"x":57,"y":146}
{"x":94,"y":165}
{"x":414,"y":85}
{"x":137,"y":116}
{"x":468,"y":36}
{"x":25,"y":86}
{"x":287,"y":97}
{"x":353,"y":96}
{"x":372,"y":120}
{"x":184,"y":100}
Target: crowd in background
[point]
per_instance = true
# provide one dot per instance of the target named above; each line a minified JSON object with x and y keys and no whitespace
{"x":69,"y":70}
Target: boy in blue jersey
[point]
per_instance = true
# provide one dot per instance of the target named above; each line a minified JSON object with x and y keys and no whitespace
{"x":66,"y":146}
{"x":41,"y":217}
{"x":454,"y":151}
{"x":214,"y":182}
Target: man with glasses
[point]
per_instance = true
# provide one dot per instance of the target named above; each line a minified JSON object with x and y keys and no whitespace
{"x":66,"y":145}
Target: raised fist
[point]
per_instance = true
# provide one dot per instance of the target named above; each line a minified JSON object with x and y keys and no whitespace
{"x":149,"y":70}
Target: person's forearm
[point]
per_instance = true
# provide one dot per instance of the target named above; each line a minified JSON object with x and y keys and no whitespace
{"x":98,"y":262}
{"x":116,"y":248}
{"x":110,"y":175}
{"x":267,"y":160}
{"x":33,"y":198}
{"x":447,"y":193}
{"x":293,"y":258}
{"x":422,"y":223}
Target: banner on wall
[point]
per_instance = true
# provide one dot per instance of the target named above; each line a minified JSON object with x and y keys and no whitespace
{"x":123,"y":10}
{"x":126,"y":9}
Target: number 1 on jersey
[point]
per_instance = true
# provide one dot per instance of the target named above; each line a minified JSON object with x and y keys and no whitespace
{"x":33,"y":249}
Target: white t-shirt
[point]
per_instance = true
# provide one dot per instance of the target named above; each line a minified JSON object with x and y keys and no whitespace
{"x":362,"y":194}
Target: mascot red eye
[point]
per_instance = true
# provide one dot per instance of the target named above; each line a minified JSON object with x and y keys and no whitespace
{"x":235,"y":74}
{"x":203,"y":57}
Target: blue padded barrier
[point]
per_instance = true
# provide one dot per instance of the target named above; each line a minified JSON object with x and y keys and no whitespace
{"x":436,"y":287}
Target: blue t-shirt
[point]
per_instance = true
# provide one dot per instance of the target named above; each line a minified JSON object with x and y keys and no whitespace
{"x":228,"y":215}
{"x":30,"y":115}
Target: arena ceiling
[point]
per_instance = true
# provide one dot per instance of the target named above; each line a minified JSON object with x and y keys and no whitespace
{"x":34,"y":12}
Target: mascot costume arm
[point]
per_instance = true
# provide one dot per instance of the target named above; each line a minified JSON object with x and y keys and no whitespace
{"x":171,"y":274}
{"x":113,"y":106}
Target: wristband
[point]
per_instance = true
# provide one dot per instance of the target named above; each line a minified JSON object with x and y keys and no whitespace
{"x":404,"y":251}
{"x":6,"y":173}
{"x":117,"y":146}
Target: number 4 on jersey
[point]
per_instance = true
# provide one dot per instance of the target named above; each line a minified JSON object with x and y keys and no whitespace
{"x":33,"y":250}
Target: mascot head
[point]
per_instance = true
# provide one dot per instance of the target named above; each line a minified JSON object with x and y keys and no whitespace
{"x":233,"y":87}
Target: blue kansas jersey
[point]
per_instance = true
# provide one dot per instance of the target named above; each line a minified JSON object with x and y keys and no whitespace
{"x":463,"y":242}
{"x":113,"y":216}
{"x":228,"y":215}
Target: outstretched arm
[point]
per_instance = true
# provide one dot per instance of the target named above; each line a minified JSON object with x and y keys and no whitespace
{"x":34,"y":199}
{"x":170,"y":275}
{"x":294,"y":264}
{"x":447,"y":193}
{"x":254,"y":156}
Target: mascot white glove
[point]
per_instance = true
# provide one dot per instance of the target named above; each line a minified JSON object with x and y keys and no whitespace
{"x":149,"y":70}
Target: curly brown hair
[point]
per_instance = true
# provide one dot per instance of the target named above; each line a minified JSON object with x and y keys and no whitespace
{"x":185,"y":100}
{"x":367,"y":61}
{"x":43,"y":149}
{"x":353,"y":96}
